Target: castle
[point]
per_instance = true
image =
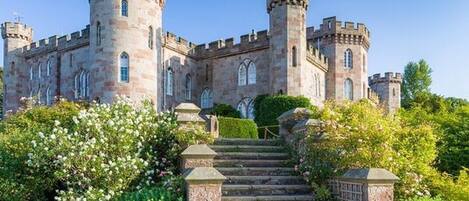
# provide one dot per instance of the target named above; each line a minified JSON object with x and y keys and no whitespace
{"x":124,"y":51}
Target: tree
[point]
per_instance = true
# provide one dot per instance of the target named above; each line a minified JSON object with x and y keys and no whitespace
{"x":417,"y":81}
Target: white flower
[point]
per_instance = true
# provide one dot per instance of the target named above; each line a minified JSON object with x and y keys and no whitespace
{"x":41,"y":135}
{"x":57,"y":123}
{"x":52,"y":137}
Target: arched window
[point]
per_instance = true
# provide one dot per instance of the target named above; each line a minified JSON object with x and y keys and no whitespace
{"x":77,"y":86}
{"x":39,"y":70}
{"x":242,"y":75}
{"x":82,"y":84}
{"x":348,"y":59}
{"x":31,"y":73}
{"x":294,"y":55}
{"x":98,"y":33}
{"x":169,"y":82}
{"x":48,"y":96}
{"x":188,"y":87}
{"x":87,"y":88}
{"x":150,"y":37}
{"x":49,"y":67}
{"x":125,"y":8}
{"x":246,"y":108}
{"x":206,"y":100}
{"x":348,"y":89}
{"x":364,"y":63}
{"x":393,"y":91}
{"x":252,"y":73}
{"x":124,"y":67}
{"x":39,"y":94}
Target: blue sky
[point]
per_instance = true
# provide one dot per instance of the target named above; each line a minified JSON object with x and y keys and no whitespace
{"x":402,"y":30}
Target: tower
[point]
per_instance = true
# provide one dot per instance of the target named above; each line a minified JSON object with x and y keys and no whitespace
{"x":347,"y":47}
{"x":287,"y":44}
{"x":125,"y":48}
{"x":15,"y":36}
{"x":388,"y":89}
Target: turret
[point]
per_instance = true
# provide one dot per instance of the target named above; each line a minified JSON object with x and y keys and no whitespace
{"x":125,"y":47}
{"x":288,"y":45}
{"x":15,"y":36}
{"x":388,"y":89}
{"x":347,"y":45}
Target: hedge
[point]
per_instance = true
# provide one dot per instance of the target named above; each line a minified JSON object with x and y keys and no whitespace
{"x":237,"y":128}
{"x":269,"y":108}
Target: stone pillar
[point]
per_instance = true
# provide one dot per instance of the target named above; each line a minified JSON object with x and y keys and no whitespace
{"x":204,"y":183}
{"x":197,"y":156}
{"x":367,"y":185}
{"x":289,"y":119}
{"x":188,"y":113}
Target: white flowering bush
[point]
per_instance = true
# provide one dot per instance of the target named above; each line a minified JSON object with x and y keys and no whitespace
{"x":101,"y":152}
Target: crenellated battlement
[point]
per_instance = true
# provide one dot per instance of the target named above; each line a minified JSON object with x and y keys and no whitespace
{"x":251,"y":41}
{"x":74,"y":40}
{"x":271,"y":4}
{"x":314,"y":55}
{"x":176,"y":43}
{"x":388,"y":77}
{"x":16,"y":30}
{"x":348,"y":32}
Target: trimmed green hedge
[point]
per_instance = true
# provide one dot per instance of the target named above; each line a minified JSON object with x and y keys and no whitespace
{"x":237,"y":128}
{"x":269,"y":108}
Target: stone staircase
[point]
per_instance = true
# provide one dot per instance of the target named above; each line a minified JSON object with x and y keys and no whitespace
{"x":258,"y":170}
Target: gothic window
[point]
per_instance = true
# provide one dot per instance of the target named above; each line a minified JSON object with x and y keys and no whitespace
{"x":252,"y":73}
{"x":206,"y":99}
{"x":83,"y":84}
{"x":150,"y":37}
{"x":364,"y":63}
{"x":125,"y":8}
{"x":48,"y":96}
{"x":39,"y":70}
{"x":169,"y":82}
{"x":76,"y":86}
{"x":294,"y":56}
{"x":124,"y":68}
{"x":188,"y":87}
{"x":49,"y":67}
{"x":246,"y":108}
{"x":39,"y":101}
{"x":348,"y":59}
{"x":31,"y":73}
{"x":242,"y":75}
{"x":98,"y":33}
{"x":348,"y":89}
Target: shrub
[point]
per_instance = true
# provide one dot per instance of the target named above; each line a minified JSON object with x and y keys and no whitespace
{"x":224,"y":110}
{"x":19,"y":181}
{"x":150,"y":194}
{"x":361,"y":135}
{"x":237,"y":128}
{"x":268,"y":109}
{"x":96,"y":153}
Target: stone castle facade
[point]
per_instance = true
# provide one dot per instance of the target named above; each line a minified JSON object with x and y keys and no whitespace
{"x":124,"y":51}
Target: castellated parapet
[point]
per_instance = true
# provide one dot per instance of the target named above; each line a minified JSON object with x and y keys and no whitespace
{"x":333,"y":31}
{"x":178,"y":44}
{"x":54,"y":43}
{"x":227,"y":47}
{"x":316,"y":57}
{"x":271,"y":4}
{"x":389,"y":77}
{"x":16,"y":30}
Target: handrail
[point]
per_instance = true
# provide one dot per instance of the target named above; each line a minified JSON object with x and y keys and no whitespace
{"x":267,"y":131}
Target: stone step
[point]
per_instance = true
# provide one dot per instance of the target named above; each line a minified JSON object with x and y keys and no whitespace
{"x":265,"y":180}
{"x":263,"y":190}
{"x":269,"y":198}
{"x":257,"y":171}
{"x":247,"y":148}
{"x":251,"y":156}
{"x":236,"y":141}
{"x":250,"y":163}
